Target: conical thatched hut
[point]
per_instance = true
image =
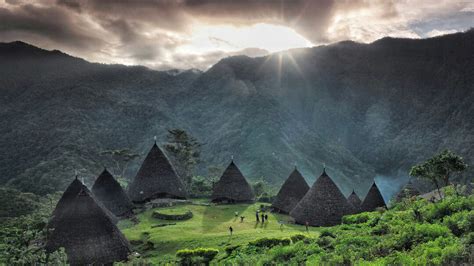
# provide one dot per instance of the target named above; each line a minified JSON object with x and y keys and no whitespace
{"x":69,"y":195}
{"x":156,"y":179}
{"x":291,"y":192}
{"x":108,"y":191}
{"x":86,"y":232}
{"x":408,"y":191}
{"x":232,"y":187}
{"x":354,"y":201}
{"x":373,"y":200}
{"x":323,"y":205}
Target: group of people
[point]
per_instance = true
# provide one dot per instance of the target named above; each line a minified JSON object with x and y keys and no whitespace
{"x":259,"y":215}
{"x":263,"y":216}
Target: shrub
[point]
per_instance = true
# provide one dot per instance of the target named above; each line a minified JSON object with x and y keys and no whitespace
{"x":460,"y":223}
{"x":196,"y":256}
{"x":270,"y":242}
{"x":370,"y":218}
{"x":468,"y":239}
{"x":328,"y":233}
{"x":298,"y":237}
{"x":230,"y":249}
{"x":325,"y":242}
{"x":442,"y":250}
{"x":447,"y":207}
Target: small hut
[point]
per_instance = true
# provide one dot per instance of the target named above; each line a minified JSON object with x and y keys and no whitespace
{"x":323,"y":205}
{"x":86,"y":232}
{"x":232,"y":187}
{"x":69,"y":195}
{"x":354,"y":201}
{"x":291,"y":192}
{"x":408,"y":191}
{"x":156,"y":179}
{"x":108,"y":191}
{"x":373,"y":200}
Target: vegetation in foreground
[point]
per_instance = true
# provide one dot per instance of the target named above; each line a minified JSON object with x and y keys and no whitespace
{"x":412,"y":232}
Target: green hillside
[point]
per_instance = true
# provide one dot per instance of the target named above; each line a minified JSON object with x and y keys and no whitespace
{"x":413,"y":232}
{"x":208,"y":228}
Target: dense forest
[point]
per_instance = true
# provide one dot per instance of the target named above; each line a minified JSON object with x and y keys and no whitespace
{"x":365,"y":110}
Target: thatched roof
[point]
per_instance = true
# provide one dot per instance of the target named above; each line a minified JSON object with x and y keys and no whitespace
{"x":70,"y":194}
{"x":232,"y":187}
{"x":86,"y":232}
{"x":108,"y":191}
{"x":373,"y":200}
{"x":323,"y":205}
{"x":355,"y":201}
{"x":291,"y":192}
{"x":156,"y":179}
{"x":409,"y":190}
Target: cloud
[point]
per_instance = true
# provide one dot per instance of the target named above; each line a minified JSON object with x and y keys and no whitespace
{"x":180,"y":33}
{"x":435,"y":32}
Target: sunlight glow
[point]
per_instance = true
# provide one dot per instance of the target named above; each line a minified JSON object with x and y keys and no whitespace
{"x":228,"y":38}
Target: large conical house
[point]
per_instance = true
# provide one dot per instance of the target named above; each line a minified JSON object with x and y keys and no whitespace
{"x":373,"y":200}
{"x":291,"y":192}
{"x":156,"y":179}
{"x":108,"y":191}
{"x":354,"y":201}
{"x":323,"y":205}
{"x":69,"y":195}
{"x":86,"y":232}
{"x":408,"y":191}
{"x":232,"y":187}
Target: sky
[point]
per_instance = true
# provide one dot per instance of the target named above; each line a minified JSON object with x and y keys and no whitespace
{"x":184,"y":34}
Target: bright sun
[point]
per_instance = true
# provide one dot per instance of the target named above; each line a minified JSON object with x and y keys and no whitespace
{"x":227,"y":38}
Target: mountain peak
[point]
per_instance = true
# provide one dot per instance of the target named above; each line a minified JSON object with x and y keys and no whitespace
{"x":19,"y":49}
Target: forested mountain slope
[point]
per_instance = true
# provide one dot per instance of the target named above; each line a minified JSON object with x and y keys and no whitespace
{"x":366,"y":110}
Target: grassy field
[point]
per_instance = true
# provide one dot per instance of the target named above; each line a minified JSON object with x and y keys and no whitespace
{"x":209,"y":227}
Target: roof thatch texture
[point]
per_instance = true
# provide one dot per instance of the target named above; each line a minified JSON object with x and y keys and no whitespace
{"x":108,"y":191}
{"x":323,"y":205}
{"x":354,"y":201}
{"x":86,"y":232}
{"x":373,"y":200}
{"x":70,"y":194}
{"x":156,"y":179}
{"x":232,"y":187}
{"x":291,"y":192}
{"x":408,"y":191}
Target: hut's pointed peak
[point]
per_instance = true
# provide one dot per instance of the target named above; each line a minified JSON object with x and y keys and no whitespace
{"x":295,"y":171}
{"x":105,"y":175}
{"x":105,"y":172}
{"x":232,"y":164}
{"x":324,"y":172}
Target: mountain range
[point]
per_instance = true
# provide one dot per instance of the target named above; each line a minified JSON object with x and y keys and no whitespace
{"x":366,"y":111}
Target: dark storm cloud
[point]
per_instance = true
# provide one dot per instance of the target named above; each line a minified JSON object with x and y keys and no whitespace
{"x":150,"y":32}
{"x":49,"y":22}
{"x":308,"y":17}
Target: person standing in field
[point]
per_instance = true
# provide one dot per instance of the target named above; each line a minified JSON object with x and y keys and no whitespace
{"x":256,"y":216}
{"x":231,"y":230}
{"x":281,"y":224}
{"x":307,"y":226}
